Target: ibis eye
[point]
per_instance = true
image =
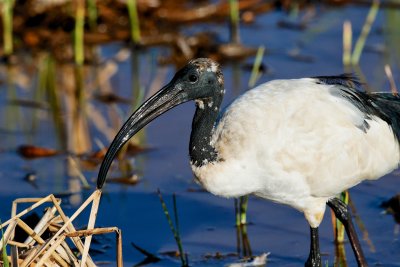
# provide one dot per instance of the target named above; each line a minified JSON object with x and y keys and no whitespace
{"x":193,"y":78}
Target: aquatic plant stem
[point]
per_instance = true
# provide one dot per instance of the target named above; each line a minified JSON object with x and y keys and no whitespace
{"x":6,"y":263}
{"x":92,"y":221}
{"x":359,"y":46}
{"x":347,"y":42}
{"x":234,"y":21}
{"x":7,"y":17}
{"x":134,"y":21}
{"x":255,"y":72}
{"x":344,"y":196}
{"x":389,"y":75}
{"x":174,"y":229}
{"x":92,"y":14}
{"x":244,"y":200}
{"x":79,"y":31}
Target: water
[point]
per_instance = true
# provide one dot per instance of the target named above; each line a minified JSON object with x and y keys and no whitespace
{"x":206,"y":221}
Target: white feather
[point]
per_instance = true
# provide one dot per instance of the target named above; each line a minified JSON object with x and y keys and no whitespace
{"x":298,"y":143}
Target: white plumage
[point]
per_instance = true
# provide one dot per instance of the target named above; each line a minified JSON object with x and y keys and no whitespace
{"x":299,"y":143}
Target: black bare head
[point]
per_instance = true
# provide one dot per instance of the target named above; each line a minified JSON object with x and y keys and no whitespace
{"x":201,"y":80}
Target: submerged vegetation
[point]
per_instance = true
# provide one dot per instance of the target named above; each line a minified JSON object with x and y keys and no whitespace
{"x":73,"y":71}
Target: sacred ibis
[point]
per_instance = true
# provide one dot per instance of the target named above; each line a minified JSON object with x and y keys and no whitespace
{"x":297,"y":142}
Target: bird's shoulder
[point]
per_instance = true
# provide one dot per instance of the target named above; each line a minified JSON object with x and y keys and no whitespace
{"x":346,"y":80}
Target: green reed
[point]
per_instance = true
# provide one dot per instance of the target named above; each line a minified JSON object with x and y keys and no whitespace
{"x":340,"y":231}
{"x":255,"y":73}
{"x":359,"y":46}
{"x":134,"y":20}
{"x":4,"y":256}
{"x":79,"y":32}
{"x":174,"y":229}
{"x":47,"y":83}
{"x":234,"y":21}
{"x":92,"y":13}
{"x":7,"y":17}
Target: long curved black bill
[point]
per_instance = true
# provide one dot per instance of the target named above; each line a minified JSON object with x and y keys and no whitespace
{"x":165,"y":99}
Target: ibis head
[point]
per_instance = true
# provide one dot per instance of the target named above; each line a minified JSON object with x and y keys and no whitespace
{"x":201,"y":80}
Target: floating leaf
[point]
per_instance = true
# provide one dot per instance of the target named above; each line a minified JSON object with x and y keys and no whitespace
{"x":134,"y":149}
{"x":30,"y":151}
{"x":112,"y":98}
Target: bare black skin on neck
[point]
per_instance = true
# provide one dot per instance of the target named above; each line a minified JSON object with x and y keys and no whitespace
{"x":204,"y":121}
{"x":210,"y":89}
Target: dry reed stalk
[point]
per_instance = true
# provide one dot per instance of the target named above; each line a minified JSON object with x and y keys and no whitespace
{"x":347,"y":42}
{"x":41,"y":226}
{"x":119,"y":249}
{"x":40,"y":240}
{"x":66,"y":225}
{"x":71,"y":255}
{"x":92,"y":220}
{"x":78,"y":243}
{"x":50,"y":252}
{"x":30,"y":256}
{"x":29,"y":231}
{"x":18,"y":244}
{"x":7,"y":234}
{"x":106,"y":230}
{"x":95,"y":231}
{"x":55,"y":251}
{"x":389,"y":75}
{"x":25,"y":211}
{"x":14,"y":256}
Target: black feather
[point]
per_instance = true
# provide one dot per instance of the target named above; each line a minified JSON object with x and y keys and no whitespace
{"x":389,"y":108}
{"x":345,"y":80}
{"x":386,"y":106}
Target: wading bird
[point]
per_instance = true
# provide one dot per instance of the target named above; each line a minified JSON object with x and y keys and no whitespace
{"x":297,"y":142}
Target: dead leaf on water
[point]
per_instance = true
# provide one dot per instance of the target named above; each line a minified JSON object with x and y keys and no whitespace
{"x":110,"y":97}
{"x":31,"y":151}
{"x":135,"y":149}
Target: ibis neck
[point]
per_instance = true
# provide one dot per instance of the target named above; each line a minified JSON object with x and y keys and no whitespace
{"x":201,"y":150}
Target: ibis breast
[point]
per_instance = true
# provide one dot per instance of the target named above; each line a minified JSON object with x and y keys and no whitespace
{"x":289,"y":140}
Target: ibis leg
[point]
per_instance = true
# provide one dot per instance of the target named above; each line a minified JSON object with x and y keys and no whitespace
{"x":314,"y":259}
{"x":343,"y":214}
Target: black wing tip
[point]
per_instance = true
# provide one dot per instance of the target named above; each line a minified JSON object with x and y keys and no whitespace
{"x":349,"y":80}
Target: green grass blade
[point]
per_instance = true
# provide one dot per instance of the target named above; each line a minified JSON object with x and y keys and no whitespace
{"x":340,"y":231}
{"x":134,"y":20}
{"x":7,"y":17}
{"x":234,"y":21}
{"x":4,"y":256}
{"x":255,"y":73}
{"x":173,"y":228}
{"x":92,"y":14}
{"x":79,"y":31}
{"x":373,"y":11}
{"x":244,"y":201}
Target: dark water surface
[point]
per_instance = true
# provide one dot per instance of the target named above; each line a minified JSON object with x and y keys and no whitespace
{"x":206,"y":221}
